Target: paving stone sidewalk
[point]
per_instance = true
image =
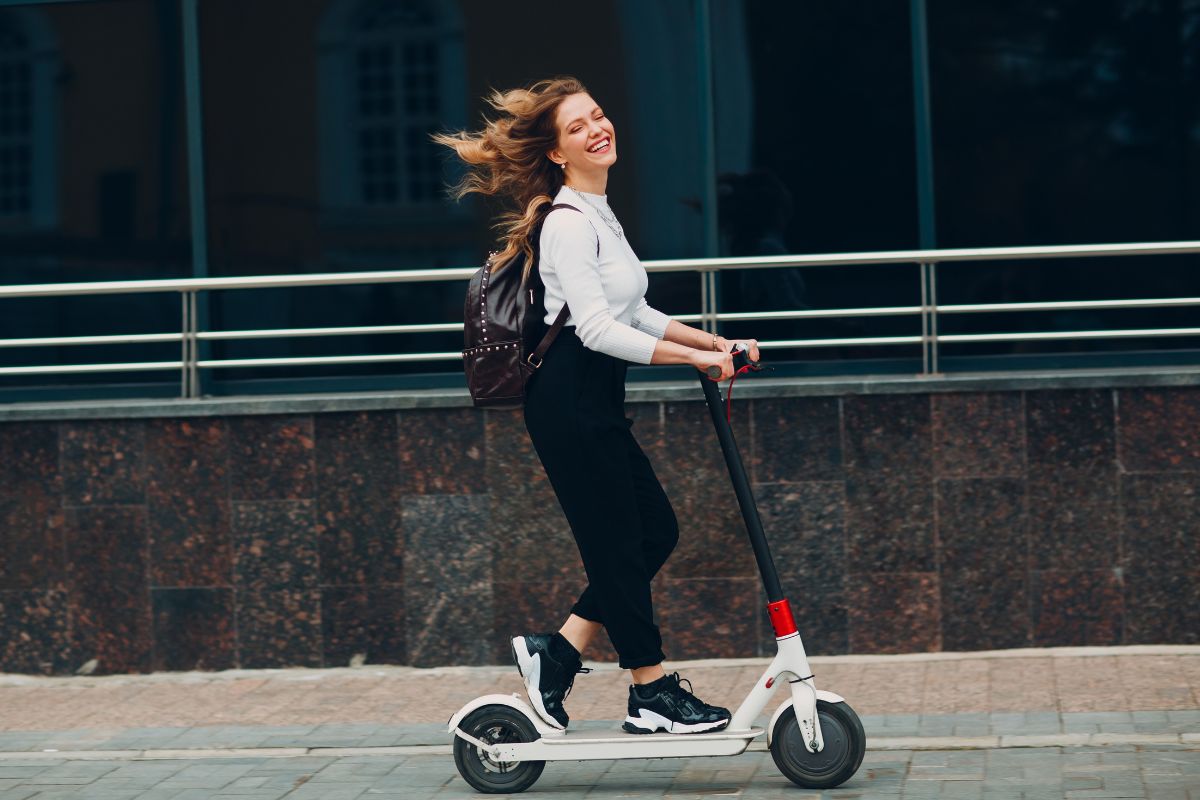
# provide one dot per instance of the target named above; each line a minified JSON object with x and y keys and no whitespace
{"x":1114,"y":722}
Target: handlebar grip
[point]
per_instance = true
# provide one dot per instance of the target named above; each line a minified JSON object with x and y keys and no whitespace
{"x":713,"y":372}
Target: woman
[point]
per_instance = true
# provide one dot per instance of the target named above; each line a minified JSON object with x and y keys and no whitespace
{"x":552,"y":144}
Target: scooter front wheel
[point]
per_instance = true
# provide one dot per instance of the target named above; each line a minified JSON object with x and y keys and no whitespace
{"x":845,"y":745}
{"x":493,"y":725}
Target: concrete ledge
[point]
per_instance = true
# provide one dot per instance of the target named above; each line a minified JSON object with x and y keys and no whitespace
{"x":637,"y":392}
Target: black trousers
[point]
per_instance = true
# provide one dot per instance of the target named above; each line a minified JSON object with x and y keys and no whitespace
{"x":619,"y":514}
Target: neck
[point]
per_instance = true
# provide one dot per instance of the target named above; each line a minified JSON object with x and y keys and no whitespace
{"x":592,"y":183}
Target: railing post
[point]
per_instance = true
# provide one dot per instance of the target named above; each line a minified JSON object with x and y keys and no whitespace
{"x":189,"y":378}
{"x":924,"y":272}
{"x":929,"y":332}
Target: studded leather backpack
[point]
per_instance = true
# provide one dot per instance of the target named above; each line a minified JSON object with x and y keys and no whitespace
{"x":505,"y":337}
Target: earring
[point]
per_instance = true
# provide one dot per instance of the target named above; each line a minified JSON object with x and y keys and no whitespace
{"x":563,"y":165}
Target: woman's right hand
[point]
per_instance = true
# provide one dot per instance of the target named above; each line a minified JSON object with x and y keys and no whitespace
{"x":703,"y":359}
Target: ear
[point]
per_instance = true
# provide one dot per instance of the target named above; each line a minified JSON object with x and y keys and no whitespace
{"x":556,"y":156}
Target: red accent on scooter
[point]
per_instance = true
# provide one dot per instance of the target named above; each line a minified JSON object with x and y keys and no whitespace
{"x":781,"y":618}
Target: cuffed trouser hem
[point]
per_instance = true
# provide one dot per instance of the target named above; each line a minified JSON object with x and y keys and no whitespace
{"x":586,"y":613}
{"x":638,"y":663}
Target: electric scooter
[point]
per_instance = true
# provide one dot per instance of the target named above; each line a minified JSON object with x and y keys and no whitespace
{"x":501,"y":745}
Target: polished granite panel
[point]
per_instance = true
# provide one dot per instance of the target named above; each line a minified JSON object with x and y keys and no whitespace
{"x":533,"y":537}
{"x":708,"y":617}
{"x":888,"y":433}
{"x":1070,"y":430}
{"x":275,"y":545}
{"x":1161,"y":521}
{"x":985,"y":609}
{"x":1162,"y":606}
{"x":278,"y":628}
{"x":442,"y":452}
{"x":271,"y":457}
{"x":537,"y":607}
{"x":978,"y":435}
{"x":193,"y":629}
{"x":448,"y":554}
{"x":1074,"y":521}
{"x":1159,"y":429}
{"x":363,"y":621}
{"x":29,"y":454}
{"x":805,"y":526}
{"x":982,"y":524}
{"x":796,"y":439}
{"x":693,"y":473}
{"x":103,"y":462}
{"x":894,"y":612}
{"x":107,"y":579}
{"x":31,"y":537}
{"x":889,"y":522}
{"x":359,"y":499}
{"x":35,"y":634}
{"x":187,"y":500}
{"x":1076,"y":607}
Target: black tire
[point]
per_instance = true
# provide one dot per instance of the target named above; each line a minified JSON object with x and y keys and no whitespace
{"x":493,"y":724}
{"x":845,"y":746}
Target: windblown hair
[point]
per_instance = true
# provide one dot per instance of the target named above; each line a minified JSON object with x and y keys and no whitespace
{"x":508,"y":159}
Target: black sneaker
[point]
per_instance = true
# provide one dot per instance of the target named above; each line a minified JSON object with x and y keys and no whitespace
{"x":666,"y":705}
{"x":549,"y":668}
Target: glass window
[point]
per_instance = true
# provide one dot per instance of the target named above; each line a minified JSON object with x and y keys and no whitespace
{"x":92,"y":181}
{"x":815,"y":153}
{"x":1067,"y":122}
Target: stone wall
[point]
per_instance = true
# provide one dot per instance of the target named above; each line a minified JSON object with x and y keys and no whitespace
{"x":900,"y":522}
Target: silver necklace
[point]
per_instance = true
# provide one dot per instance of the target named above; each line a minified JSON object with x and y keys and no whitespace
{"x":606,"y":214}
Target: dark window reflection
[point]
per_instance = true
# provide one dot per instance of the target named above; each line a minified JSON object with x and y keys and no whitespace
{"x":1067,"y":122}
{"x":92,"y":178}
{"x":816,"y":154}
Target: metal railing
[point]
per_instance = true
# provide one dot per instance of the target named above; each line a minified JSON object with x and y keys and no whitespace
{"x":709,"y":317}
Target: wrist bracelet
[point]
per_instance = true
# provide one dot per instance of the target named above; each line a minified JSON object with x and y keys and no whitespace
{"x":714,"y":347}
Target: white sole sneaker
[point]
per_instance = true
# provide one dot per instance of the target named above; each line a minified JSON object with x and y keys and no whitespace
{"x":648,"y":721}
{"x":530,"y":667}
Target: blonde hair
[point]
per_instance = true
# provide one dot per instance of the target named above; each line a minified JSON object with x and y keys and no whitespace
{"x":508,"y":158}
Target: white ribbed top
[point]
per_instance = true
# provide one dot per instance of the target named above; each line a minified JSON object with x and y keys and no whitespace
{"x":606,"y":293}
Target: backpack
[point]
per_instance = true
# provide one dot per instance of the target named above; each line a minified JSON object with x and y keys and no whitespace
{"x":505,"y":337}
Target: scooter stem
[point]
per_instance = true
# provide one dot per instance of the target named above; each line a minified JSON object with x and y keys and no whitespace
{"x":741,"y":487}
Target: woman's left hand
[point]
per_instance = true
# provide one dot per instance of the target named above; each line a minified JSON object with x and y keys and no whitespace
{"x":751,"y":346}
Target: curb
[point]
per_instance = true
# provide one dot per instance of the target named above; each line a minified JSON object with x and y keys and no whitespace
{"x":874,"y":744}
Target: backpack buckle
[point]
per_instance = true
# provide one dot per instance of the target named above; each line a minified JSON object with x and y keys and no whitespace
{"x":530,"y":361}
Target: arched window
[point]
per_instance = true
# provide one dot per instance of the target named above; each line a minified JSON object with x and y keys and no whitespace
{"x":27,"y":143}
{"x":392,"y":71}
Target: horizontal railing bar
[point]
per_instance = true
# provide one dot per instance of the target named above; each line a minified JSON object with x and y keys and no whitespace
{"x":824,"y":313}
{"x":299,"y":360}
{"x":782,"y":343}
{"x":135,"y":366}
{"x":433,"y":327}
{"x":669,"y":265}
{"x":1058,"y":335}
{"x":926,"y":256}
{"x":124,"y":338}
{"x":1065,"y":305}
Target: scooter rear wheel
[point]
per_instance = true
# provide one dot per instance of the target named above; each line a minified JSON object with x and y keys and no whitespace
{"x":845,"y":745}
{"x":495,"y":724}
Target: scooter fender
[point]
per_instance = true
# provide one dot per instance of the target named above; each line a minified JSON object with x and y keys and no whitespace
{"x":828,"y":697}
{"x":513,"y":701}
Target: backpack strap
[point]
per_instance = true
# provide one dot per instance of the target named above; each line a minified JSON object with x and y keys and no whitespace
{"x":535,"y":358}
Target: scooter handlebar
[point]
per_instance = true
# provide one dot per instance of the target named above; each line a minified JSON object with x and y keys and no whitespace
{"x":740,"y":359}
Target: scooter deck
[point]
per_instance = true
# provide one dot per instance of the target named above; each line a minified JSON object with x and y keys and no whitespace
{"x":588,"y":745}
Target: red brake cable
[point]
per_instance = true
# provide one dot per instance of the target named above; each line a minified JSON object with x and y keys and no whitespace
{"x":729,"y":394}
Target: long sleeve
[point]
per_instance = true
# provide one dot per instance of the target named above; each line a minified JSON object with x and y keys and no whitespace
{"x":570,"y":266}
{"x":649,"y":319}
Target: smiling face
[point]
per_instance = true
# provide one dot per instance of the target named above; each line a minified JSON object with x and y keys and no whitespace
{"x":587,"y":142}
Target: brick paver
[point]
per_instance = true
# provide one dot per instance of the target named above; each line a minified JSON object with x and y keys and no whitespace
{"x":1131,"y":714}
